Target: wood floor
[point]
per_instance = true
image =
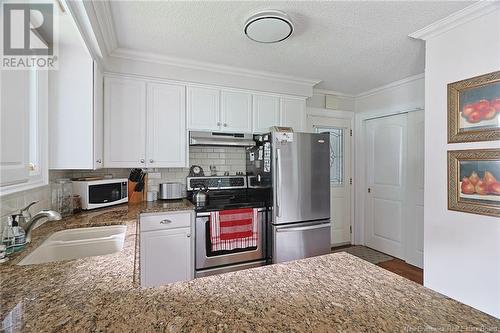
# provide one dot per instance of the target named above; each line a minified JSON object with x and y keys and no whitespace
{"x":400,"y":267}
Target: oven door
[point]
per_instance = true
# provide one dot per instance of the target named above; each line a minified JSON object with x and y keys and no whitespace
{"x":206,"y":259}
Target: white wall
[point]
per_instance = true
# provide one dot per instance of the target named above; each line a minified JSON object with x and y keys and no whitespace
{"x":397,"y":97}
{"x":461,"y":251}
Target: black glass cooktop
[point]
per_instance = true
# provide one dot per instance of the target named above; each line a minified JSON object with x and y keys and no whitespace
{"x":233,"y":199}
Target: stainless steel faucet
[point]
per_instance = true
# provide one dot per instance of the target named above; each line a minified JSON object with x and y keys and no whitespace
{"x":29,"y":223}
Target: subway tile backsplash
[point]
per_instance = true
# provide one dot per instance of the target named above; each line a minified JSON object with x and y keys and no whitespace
{"x":226,"y":159}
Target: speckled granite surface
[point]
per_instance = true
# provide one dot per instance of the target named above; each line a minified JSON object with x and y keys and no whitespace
{"x":332,"y":293}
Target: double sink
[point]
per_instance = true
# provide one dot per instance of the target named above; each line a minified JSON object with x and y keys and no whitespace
{"x":78,"y":243}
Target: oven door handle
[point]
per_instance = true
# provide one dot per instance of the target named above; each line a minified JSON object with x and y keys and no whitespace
{"x":205,"y":214}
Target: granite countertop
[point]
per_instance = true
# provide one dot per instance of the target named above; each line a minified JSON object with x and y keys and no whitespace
{"x":335,"y":292}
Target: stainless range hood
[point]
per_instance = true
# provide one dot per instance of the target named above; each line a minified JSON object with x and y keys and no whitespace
{"x":221,"y":139}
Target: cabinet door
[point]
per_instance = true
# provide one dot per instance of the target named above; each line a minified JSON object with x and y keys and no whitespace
{"x":166,"y":126}
{"x":14,"y":123}
{"x":165,"y":256}
{"x":266,"y":112}
{"x":124,"y":123}
{"x":203,"y":111}
{"x":293,"y":113}
{"x":98,"y":118}
{"x":236,"y":111}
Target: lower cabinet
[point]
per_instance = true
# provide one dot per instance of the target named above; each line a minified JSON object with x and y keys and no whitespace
{"x":166,"y":248}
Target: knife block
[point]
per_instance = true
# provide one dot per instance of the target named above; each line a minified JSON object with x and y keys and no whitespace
{"x":135,"y":197}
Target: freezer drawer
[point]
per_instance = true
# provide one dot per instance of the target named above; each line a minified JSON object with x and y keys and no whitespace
{"x":300,"y":240}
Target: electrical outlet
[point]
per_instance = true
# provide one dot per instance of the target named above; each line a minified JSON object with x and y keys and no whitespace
{"x":154,"y":175}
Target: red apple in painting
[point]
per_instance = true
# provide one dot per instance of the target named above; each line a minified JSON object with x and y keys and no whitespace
{"x":475,"y":116}
{"x":494,"y":188}
{"x":489,"y":179}
{"x":474,"y":178}
{"x":481,"y":188}
{"x":467,"y":110}
{"x":482,"y":104}
{"x":489,"y":113}
{"x":496,"y":103}
{"x":466,"y":186}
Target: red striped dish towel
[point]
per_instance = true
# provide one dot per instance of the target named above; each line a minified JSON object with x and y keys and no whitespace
{"x":233,"y":229}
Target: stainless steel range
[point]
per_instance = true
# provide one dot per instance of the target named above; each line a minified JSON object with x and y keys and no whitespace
{"x":227,"y":194}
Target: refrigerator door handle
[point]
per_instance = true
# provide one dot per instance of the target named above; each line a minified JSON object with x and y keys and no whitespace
{"x":278,"y":185}
{"x":309,"y":227}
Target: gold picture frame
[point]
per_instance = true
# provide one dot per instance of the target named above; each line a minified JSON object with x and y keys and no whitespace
{"x":478,"y":196}
{"x":468,"y":120}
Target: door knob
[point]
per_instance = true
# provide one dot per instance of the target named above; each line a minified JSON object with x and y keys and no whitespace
{"x":142,"y":160}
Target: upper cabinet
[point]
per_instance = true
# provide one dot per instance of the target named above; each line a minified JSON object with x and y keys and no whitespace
{"x":75,"y":113}
{"x":203,"y":109}
{"x":124,"y":123}
{"x":293,"y":113}
{"x":266,"y":112}
{"x":236,"y":111}
{"x":166,"y":125}
{"x":144,"y":124}
{"x":210,"y":109}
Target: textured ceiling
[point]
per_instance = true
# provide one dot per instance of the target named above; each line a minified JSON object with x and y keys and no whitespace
{"x":352,"y":46}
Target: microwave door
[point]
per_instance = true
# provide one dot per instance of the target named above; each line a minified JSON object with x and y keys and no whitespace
{"x":105,"y":193}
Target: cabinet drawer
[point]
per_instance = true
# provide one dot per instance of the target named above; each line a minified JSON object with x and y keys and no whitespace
{"x":151,"y":222}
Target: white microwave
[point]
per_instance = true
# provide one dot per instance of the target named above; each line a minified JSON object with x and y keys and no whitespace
{"x":101,"y":193}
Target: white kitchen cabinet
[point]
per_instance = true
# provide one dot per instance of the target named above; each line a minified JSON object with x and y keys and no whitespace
{"x":124,"y":123}
{"x":166,"y":248}
{"x":266,"y":112}
{"x":14,"y":122}
{"x":203,"y":109}
{"x":166,"y":126}
{"x":76,"y":111}
{"x":293,"y":113}
{"x":236,"y":112}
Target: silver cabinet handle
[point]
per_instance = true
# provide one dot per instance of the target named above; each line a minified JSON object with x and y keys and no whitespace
{"x":165,"y":221}
{"x":142,"y":160}
{"x":188,"y":235}
{"x":98,"y":161}
{"x":218,"y":123}
{"x":151,"y":161}
{"x":225,"y":125}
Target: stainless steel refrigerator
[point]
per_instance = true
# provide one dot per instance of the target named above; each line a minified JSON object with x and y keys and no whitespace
{"x":298,"y":167}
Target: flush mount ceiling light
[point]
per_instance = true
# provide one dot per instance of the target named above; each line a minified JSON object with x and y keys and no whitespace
{"x":270,"y":26}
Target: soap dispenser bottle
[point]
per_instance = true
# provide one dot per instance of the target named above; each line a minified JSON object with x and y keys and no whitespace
{"x":19,"y":235}
{"x":8,"y":238}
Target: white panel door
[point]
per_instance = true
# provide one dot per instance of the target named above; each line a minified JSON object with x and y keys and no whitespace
{"x":340,"y":175}
{"x":14,"y":122}
{"x":293,"y":113}
{"x":386,"y":178}
{"x":266,"y":112}
{"x":203,"y":109}
{"x":415,"y":213}
{"x":124,"y":123}
{"x":236,"y":111}
{"x":165,"y":257}
{"x":166,"y":126}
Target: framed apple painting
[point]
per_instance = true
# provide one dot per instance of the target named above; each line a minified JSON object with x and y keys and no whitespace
{"x":474,"y":109}
{"x":474,"y":181}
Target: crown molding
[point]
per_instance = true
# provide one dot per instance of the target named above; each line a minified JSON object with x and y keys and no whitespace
{"x":104,"y":17}
{"x":391,"y":85}
{"x":332,"y":92}
{"x":467,"y":14}
{"x":136,"y":55}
